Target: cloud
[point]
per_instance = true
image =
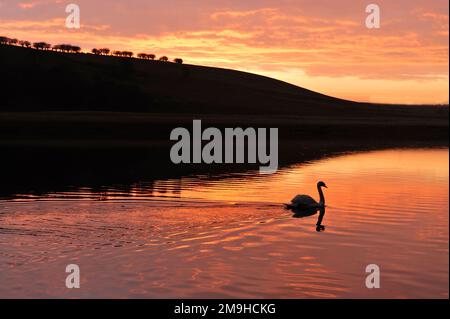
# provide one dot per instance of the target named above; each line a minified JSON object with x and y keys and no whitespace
{"x":27,"y":5}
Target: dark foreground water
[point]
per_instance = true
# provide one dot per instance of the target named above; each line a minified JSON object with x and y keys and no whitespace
{"x":229,"y":236}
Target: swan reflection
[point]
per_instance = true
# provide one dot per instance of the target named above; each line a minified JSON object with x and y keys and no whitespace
{"x":300,"y":213}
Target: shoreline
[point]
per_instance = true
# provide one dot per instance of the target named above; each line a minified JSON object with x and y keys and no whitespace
{"x":138,"y":127}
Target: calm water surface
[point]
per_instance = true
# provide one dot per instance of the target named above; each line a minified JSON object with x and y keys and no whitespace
{"x":214,"y":237}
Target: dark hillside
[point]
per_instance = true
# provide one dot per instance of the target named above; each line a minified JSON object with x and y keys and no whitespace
{"x":49,"y":81}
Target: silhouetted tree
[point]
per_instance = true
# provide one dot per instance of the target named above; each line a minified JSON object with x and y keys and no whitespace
{"x":104,"y":51}
{"x":60,"y":47}
{"x":76,"y":49}
{"x":24,"y":43}
{"x":127,"y":54}
{"x":67,"y":48}
{"x":101,"y":51}
{"x":146,"y":56}
{"x":4,"y":40}
{"x":41,"y":45}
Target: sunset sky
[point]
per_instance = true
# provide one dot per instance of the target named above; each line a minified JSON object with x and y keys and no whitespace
{"x":322,"y":45}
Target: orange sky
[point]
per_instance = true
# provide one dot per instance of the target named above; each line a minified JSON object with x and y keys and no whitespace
{"x":322,"y":45}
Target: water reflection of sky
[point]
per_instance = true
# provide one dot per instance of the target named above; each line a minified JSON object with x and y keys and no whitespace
{"x":384,"y":207}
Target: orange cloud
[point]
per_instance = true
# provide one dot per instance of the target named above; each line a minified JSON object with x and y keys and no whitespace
{"x":27,"y":5}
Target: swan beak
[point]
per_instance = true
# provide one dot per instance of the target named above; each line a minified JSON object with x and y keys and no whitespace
{"x":325,"y":186}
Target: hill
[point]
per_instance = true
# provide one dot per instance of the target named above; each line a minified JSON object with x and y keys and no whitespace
{"x":52,"y":81}
{"x":57,"y":98}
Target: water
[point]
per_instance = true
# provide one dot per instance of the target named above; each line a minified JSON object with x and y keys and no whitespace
{"x":229,"y":236}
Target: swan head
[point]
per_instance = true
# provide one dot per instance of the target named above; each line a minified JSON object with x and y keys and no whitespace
{"x":321,"y":184}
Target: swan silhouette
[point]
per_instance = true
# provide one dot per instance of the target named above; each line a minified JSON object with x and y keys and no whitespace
{"x":306,"y":202}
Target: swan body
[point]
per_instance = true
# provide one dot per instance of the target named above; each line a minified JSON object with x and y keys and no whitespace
{"x":306,"y":201}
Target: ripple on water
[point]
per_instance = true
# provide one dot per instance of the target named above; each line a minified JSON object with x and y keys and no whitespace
{"x":206,"y":237}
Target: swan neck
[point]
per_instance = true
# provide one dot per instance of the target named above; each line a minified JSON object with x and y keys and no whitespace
{"x":322,"y":198}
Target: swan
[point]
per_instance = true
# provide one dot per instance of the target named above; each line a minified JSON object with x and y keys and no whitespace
{"x":306,"y":201}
